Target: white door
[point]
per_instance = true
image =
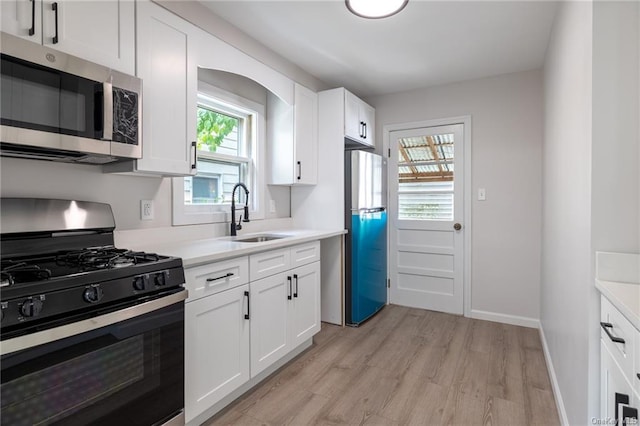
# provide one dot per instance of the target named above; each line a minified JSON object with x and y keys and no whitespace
{"x":167,"y":65}
{"x":305,"y":312}
{"x":270,"y":300}
{"x":22,"y":18}
{"x":217,"y":348}
{"x":426,"y":208}
{"x":100,"y":31}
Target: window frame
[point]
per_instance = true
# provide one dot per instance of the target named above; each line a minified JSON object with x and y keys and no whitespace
{"x":231,"y":104}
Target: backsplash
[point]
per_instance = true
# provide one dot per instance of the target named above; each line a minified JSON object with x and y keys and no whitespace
{"x":44,"y":179}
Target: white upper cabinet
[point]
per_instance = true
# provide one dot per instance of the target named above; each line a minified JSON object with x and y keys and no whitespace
{"x":99,"y":31}
{"x":359,"y":120}
{"x":22,"y":18}
{"x":169,"y":73}
{"x":293,"y":138}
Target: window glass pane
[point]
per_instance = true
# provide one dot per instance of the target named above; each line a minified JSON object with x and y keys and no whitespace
{"x":218,"y":132}
{"x":425,"y":177}
{"x":213,"y":183}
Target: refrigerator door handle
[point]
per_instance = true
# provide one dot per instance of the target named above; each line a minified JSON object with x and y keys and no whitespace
{"x":370,"y":210}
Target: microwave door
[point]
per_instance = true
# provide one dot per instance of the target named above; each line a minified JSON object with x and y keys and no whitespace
{"x":50,"y":109}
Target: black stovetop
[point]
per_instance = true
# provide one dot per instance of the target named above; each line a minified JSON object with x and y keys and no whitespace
{"x":25,"y":276}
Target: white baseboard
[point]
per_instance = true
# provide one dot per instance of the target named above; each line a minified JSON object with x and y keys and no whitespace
{"x":506,"y":319}
{"x":562,"y":413}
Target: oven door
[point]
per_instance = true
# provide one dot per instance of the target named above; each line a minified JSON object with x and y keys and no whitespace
{"x":124,"y":367}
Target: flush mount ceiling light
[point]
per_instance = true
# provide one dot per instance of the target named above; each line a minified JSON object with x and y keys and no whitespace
{"x":374,"y":9}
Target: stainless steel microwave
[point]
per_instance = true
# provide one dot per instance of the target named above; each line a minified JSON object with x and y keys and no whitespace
{"x":63,"y":108}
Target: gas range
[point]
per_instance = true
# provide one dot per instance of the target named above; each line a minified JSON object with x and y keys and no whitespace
{"x":91,"y":333}
{"x":48,"y":277}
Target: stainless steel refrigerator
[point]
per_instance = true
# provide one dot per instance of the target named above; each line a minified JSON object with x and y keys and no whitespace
{"x":366,"y":242}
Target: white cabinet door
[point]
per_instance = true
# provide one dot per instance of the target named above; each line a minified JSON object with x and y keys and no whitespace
{"x":101,"y":31}
{"x":22,"y":18}
{"x":616,"y":394}
{"x":216,"y":348}
{"x":167,"y":66}
{"x":352,"y":121}
{"x":305,"y":136}
{"x":305,"y":307}
{"x":292,"y":132}
{"x":270,"y":298}
{"x":359,"y":120}
{"x":368,"y":117}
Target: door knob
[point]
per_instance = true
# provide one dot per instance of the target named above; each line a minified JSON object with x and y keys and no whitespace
{"x":457,"y":227}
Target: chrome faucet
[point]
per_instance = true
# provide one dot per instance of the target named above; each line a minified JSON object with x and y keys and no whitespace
{"x":236,"y":227}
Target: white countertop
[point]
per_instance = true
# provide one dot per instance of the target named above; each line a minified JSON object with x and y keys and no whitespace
{"x":618,"y":279}
{"x":198,"y":252}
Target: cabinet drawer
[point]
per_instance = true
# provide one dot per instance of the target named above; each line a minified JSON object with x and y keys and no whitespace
{"x":304,"y":254}
{"x":269,"y":263}
{"x":625,"y":354}
{"x":216,"y":277}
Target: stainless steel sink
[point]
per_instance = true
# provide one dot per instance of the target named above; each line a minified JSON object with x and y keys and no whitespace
{"x":260,"y":238}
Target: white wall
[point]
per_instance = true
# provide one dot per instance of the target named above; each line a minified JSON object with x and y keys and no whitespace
{"x":566,"y":214}
{"x":29,"y":178}
{"x":506,"y":140}
{"x":590,"y":183}
{"x":615,"y":179}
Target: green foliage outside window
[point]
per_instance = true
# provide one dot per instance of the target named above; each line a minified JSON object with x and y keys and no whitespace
{"x":213,"y":127}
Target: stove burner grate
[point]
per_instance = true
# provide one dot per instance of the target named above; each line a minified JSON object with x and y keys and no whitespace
{"x":12,"y":272}
{"x":104,"y":258}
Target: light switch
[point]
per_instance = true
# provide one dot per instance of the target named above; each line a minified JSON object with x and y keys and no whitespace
{"x":482,"y":194}
{"x":272,"y":206}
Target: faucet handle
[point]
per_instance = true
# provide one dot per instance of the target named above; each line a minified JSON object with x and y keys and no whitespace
{"x":239,"y":225}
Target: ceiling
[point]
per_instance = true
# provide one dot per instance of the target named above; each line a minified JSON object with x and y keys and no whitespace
{"x":429,"y":43}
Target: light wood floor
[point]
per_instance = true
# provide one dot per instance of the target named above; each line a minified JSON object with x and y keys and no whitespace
{"x":407,"y":366}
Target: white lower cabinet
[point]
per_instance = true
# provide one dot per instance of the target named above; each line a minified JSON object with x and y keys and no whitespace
{"x":285,"y":312}
{"x":305,"y":306}
{"x":618,"y":399}
{"x":237,"y":326}
{"x":216,"y":347}
{"x":269,"y":318}
{"x":619,"y":358}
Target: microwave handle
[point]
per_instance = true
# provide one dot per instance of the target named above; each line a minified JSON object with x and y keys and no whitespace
{"x":107,"y":111}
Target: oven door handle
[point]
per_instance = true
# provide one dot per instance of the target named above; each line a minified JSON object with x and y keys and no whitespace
{"x":62,"y":332}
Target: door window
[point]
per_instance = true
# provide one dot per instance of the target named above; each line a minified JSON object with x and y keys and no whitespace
{"x":425,"y":177}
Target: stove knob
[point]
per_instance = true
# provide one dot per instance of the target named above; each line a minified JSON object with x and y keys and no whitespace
{"x":93,"y":294}
{"x":139,"y":283}
{"x":31,"y":307}
{"x":160,"y":279}
{"x":3,"y":306}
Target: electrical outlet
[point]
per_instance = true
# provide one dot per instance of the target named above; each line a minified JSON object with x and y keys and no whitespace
{"x":482,"y":194}
{"x":272,"y":206}
{"x":146,"y":209}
